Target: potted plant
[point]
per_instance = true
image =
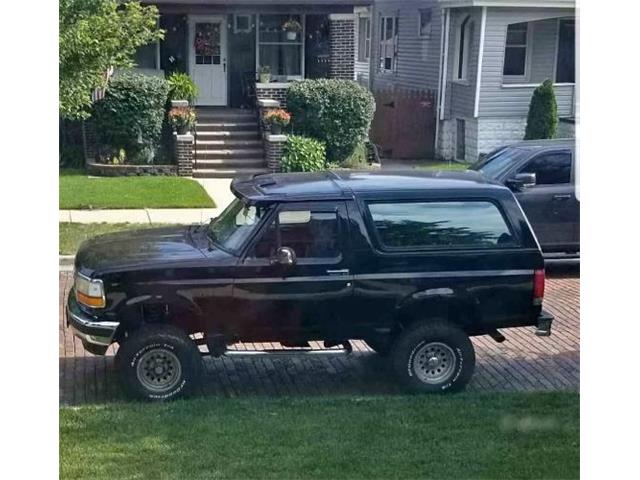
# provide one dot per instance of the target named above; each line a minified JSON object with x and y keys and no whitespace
{"x":182,"y":119}
{"x":276,"y":119}
{"x":265,"y":74}
{"x":293,"y":28}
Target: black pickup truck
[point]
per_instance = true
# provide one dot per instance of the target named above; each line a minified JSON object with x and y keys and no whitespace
{"x":413,"y":263}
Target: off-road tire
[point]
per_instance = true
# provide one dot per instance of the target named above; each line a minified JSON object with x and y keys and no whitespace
{"x":435,"y":340}
{"x":153,"y":342}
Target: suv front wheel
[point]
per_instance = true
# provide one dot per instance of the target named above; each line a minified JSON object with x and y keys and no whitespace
{"x":159,"y":362}
{"x":433,"y":357}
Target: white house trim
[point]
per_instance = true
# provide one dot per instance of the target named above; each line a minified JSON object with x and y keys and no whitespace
{"x":529,"y":85}
{"x":483,"y":27}
{"x":447,"y":28}
{"x":508,"y":3}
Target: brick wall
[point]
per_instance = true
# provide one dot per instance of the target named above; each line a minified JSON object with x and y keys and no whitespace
{"x":184,"y":154}
{"x":274,"y":146}
{"x":342,"y":31}
{"x":277,"y":92}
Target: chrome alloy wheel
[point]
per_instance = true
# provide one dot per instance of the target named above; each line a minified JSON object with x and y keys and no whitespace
{"x":434,"y":363}
{"x":159,"y":370}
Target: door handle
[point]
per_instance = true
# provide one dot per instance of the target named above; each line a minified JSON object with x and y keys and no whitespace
{"x":564,"y":196}
{"x":343,"y":271}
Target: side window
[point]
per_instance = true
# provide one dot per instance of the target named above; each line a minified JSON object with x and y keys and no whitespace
{"x":420,"y":225}
{"x":310,"y":234}
{"x":550,"y":169}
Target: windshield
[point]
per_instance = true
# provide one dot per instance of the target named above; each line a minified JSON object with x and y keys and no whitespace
{"x":499,"y":163}
{"x":235,"y":225}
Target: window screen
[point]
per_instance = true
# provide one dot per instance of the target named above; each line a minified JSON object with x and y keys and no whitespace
{"x":515,"y":53}
{"x":440,"y":224}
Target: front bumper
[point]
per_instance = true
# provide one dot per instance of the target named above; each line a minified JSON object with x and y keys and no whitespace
{"x":90,"y":330}
{"x":543,"y":324}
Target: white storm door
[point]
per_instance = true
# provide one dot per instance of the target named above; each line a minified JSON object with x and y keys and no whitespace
{"x":208,"y":58}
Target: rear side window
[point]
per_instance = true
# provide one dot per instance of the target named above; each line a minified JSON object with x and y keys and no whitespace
{"x":418,"y":225}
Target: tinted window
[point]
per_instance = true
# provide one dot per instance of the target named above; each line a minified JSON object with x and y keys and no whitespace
{"x":309,"y":234}
{"x":550,"y":169}
{"x":440,"y":224}
{"x":500,"y":162}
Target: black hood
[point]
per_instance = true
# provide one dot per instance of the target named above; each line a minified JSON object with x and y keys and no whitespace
{"x":135,"y":248}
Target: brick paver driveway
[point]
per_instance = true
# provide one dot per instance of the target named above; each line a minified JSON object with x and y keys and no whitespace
{"x":523,"y":362}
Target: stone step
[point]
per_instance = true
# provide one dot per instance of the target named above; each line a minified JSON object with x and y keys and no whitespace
{"x":229,"y":163}
{"x":227,"y":173}
{"x":210,"y":126}
{"x":229,"y":153}
{"x":228,"y":135}
{"x":202,"y":144}
{"x":225,"y":116}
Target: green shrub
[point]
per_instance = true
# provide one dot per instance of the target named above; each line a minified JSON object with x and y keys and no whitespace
{"x":181,"y":87}
{"x":542,"y":120}
{"x":302,"y":154}
{"x":131,"y":114}
{"x":337,"y":112}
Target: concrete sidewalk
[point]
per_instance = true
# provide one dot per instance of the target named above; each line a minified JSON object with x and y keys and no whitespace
{"x":217,"y":188}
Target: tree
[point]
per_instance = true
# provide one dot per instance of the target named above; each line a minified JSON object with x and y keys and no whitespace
{"x":96,"y":35}
{"x":542,"y":120}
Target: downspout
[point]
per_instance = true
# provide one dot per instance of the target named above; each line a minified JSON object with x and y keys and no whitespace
{"x":442,"y":80}
{"x":442,"y":20}
{"x":483,"y":25}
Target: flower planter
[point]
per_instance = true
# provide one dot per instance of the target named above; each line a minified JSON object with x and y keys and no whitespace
{"x":291,"y":35}
{"x":265,"y":77}
{"x":276,"y":129}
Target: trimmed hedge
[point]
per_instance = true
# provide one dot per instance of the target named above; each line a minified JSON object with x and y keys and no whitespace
{"x":130,"y":115}
{"x":302,"y":154}
{"x":337,"y":112}
{"x":542,"y":119}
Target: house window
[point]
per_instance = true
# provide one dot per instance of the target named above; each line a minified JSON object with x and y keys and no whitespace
{"x":388,"y":43}
{"x":424,"y":22}
{"x":280,"y":42}
{"x":566,"y":61}
{"x":241,"y":23}
{"x":463,"y":44}
{"x":515,"y":52}
{"x":364,"y":39}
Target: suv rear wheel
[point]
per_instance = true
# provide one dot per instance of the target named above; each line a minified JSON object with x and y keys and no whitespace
{"x":159,"y":362}
{"x":433,"y":357}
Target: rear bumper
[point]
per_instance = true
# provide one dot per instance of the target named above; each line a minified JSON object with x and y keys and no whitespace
{"x":543,"y":324}
{"x":87,"y":328}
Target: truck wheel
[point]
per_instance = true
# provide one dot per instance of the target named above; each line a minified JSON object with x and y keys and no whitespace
{"x":159,"y":362}
{"x":433,"y":357}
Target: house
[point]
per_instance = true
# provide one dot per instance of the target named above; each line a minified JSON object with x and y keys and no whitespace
{"x":223,"y":44}
{"x":453,"y":78}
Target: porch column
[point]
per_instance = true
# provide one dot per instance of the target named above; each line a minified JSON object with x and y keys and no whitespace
{"x":184,"y":154}
{"x":342,"y":44}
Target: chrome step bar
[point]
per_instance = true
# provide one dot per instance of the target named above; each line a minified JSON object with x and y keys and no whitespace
{"x":291,"y":351}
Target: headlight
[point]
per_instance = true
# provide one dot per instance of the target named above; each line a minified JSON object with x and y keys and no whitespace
{"x":89,"y":292}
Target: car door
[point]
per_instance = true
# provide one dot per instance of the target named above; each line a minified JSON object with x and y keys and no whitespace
{"x":550,"y":204}
{"x":305,"y":300}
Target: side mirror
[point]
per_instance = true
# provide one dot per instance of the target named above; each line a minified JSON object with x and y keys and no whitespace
{"x":522,"y":180}
{"x":284,"y":256}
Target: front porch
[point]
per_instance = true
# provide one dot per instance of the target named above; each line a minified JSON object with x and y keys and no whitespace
{"x":225,"y":45}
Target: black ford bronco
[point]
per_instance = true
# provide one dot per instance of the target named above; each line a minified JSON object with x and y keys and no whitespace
{"x":413,"y":263}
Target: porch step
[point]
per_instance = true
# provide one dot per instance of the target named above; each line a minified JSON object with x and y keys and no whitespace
{"x":229,"y":163}
{"x":227,"y":143}
{"x":226,"y":126}
{"x":225,"y":115}
{"x":228,"y":135}
{"x":229,"y":153}
{"x":227,"y":173}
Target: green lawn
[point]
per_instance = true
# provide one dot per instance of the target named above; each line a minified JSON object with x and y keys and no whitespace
{"x":73,"y":234}
{"x":518,"y":435}
{"x":79,"y":191}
